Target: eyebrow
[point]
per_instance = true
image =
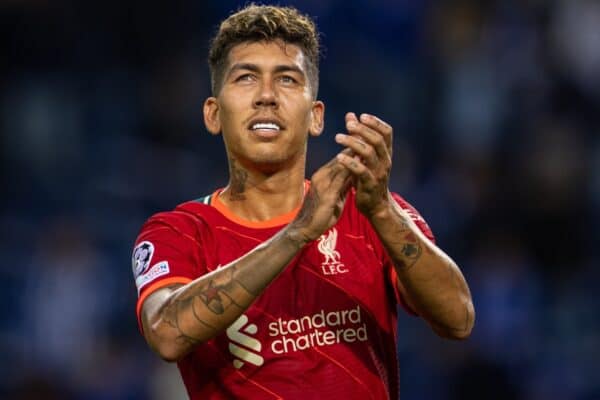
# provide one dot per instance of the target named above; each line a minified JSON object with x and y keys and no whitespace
{"x":256,"y":68}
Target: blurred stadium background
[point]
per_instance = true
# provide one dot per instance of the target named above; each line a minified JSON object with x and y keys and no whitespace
{"x":496,"y":109}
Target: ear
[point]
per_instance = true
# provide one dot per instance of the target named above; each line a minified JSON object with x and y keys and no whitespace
{"x":317,"y":118}
{"x":211,"y":115}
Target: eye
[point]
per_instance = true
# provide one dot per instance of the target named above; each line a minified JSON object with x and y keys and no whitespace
{"x":244,"y":78}
{"x":287,"y":80}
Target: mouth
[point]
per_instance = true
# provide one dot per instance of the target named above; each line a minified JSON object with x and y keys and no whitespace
{"x":266,"y":128}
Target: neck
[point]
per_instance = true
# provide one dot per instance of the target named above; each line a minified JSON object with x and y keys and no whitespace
{"x":257,"y":195}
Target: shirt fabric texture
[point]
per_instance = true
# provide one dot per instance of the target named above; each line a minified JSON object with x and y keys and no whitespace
{"x":324,"y":328}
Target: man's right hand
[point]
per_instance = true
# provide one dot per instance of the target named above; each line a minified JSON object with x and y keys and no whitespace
{"x":323,"y":204}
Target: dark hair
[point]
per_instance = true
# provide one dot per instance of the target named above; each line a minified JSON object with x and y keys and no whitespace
{"x":256,"y":23}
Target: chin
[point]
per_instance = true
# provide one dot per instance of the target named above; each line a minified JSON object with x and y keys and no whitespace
{"x":269,"y":162}
{"x":270,"y":166}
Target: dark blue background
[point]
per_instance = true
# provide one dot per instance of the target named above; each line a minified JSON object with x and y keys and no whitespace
{"x":495,"y":109}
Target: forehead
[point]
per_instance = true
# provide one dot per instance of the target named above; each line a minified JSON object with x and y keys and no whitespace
{"x":267,"y":53}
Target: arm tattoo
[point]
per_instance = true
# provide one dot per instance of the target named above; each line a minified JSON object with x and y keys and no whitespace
{"x":204,"y":304}
{"x":211,"y":297}
{"x":218,"y":294}
{"x":303,"y":219}
{"x":198,"y":311}
{"x":306,"y":213}
{"x":171,"y":316}
{"x":411,"y":250}
{"x":408,"y":245}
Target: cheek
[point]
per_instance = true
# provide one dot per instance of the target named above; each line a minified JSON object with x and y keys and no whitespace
{"x":302,"y":111}
{"x":235,"y":100}
{"x":228,"y":110}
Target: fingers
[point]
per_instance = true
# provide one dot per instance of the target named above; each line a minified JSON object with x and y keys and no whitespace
{"x":333,"y":166}
{"x":333,"y":175}
{"x":380,"y":126}
{"x":357,"y":168}
{"x":369,"y":139}
{"x":372,"y":131}
{"x":359,"y":147}
{"x":350,"y":117}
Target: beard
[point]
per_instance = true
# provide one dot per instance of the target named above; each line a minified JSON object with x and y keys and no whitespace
{"x":268,"y":158}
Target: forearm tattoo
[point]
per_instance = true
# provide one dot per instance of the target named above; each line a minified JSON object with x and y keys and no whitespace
{"x":307,"y":212}
{"x":203,"y":309}
{"x":171,"y":314}
{"x":410,"y":251}
{"x":405,"y":247}
{"x":205,"y":304}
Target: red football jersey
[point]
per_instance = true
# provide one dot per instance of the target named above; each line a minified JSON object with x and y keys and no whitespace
{"x":324,"y":328}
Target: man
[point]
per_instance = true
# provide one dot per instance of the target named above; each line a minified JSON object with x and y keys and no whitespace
{"x":278,"y":287}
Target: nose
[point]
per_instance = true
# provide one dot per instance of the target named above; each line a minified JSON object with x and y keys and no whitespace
{"x":266,"y":96}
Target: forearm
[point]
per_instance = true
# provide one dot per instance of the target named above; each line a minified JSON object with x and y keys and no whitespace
{"x":198,"y":311}
{"x":433,"y":283}
{"x":175,"y":321}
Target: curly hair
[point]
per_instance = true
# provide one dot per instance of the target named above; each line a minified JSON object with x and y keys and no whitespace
{"x":256,"y":23}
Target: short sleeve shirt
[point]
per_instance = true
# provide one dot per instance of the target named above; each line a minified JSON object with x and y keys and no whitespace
{"x":326,"y":326}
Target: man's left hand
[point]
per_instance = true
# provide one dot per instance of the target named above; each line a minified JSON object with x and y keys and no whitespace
{"x":370,"y":139}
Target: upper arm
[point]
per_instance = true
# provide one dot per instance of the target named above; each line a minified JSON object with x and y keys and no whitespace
{"x":150,"y":311}
{"x":166,"y":253}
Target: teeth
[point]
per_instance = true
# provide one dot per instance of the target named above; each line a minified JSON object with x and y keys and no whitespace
{"x":265,"y":125}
